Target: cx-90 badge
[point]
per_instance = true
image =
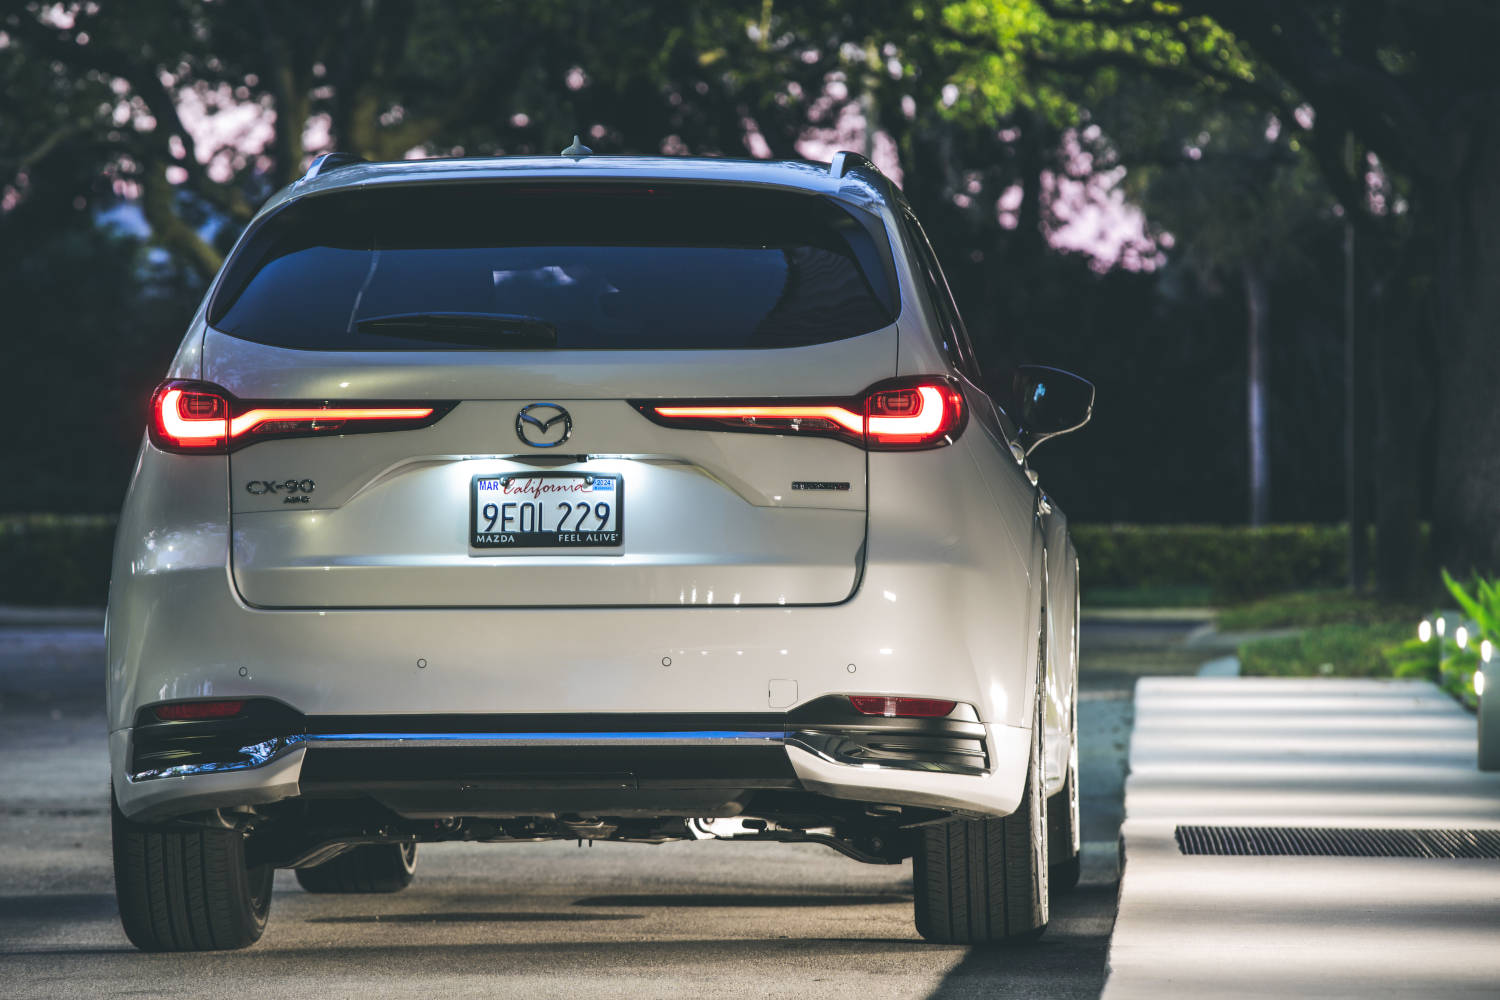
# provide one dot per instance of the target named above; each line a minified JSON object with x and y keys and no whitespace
{"x":290,"y":491}
{"x":543,"y":425}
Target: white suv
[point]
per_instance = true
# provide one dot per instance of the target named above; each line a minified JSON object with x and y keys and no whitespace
{"x":627,"y":498}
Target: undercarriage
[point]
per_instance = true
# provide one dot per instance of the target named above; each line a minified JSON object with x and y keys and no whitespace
{"x":304,"y":833}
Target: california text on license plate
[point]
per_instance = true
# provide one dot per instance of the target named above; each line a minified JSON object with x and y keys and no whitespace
{"x":546,"y":510}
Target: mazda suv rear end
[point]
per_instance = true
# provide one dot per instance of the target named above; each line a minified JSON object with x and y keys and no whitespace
{"x":639,"y":499}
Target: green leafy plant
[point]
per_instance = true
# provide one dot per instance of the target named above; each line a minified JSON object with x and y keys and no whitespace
{"x":1416,"y":660}
{"x":1481,"y":603}
{"x":1482,"y":607}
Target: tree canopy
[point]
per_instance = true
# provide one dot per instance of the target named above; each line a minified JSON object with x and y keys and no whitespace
{"x":1244,"y":129}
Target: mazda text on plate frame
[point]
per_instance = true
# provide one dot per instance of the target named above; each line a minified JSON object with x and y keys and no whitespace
{"x":606,"y":498}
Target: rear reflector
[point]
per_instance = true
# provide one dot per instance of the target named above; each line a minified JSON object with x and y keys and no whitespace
{"x":185,"y":711}
{"x":902,"y":414}
{"x":199,"y":417}
{"x":907,"y":708}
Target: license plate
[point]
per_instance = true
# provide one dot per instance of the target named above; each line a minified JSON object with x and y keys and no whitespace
{"x":546,"y":510}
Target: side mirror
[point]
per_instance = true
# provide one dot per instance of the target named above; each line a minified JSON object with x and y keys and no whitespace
{"x":1049,"y":402}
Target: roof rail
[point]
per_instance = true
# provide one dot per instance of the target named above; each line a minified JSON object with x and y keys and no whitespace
{"x":329,"y":162}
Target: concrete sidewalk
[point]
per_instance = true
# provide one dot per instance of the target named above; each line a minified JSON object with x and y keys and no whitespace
{"x":1303,"y":753}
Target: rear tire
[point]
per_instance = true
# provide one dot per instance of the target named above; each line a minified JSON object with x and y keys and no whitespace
{"x":367,"y":868}
{"x":985,"y":881}
{"x":1064,"y":838}
{"x":187,"y":889}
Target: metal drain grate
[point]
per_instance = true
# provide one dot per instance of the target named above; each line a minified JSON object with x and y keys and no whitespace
{"x":1334,"y":842}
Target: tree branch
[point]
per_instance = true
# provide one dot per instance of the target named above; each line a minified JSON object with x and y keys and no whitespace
{"x":1122,"y":18}
{"x":1086,"y":65}
{"x":41,"y":150}
{"x":1379,"y":107}
{"x":169,"y":229}
{"x":144,"y":81}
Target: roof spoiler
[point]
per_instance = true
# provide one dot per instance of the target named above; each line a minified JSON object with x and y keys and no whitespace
{"x":326,"y":163}
{"x":845,"y":163}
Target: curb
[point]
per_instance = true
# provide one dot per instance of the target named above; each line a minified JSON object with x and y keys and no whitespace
{"x":13,"y":615}
{"x":1155,"y":616}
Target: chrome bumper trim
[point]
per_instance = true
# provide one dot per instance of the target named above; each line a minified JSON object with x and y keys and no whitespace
{"x":704,"y":738}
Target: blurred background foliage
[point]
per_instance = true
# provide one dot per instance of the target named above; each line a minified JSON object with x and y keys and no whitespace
{"x":1133,"y":189}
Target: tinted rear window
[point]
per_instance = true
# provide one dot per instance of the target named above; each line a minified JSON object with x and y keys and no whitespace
{"x":565,"y":266}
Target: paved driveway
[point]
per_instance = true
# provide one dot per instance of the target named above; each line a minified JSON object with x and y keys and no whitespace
{"x":527,"y":920}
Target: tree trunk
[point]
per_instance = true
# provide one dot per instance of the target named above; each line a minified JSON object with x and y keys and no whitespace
{"x":1257,"y":305}
{"x":1401,"y":325}
{"x":1356,"y":436}
{"x":1466,"y":510}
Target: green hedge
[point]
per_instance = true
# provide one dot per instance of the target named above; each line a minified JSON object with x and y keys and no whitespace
{"x":60,"y":559}
{"x":1232,"y":562}
{"x":64,"y":559}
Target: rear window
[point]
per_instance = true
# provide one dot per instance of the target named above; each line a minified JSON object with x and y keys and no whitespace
{"x":503,"y":266}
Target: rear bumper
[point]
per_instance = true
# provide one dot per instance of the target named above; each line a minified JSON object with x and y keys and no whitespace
{"x":508,"y":766}
{"x":946,"y":609}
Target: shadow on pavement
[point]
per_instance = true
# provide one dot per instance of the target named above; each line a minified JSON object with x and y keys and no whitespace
{"x":469,"y":918}
{"x":1076,"y":940}
{"x":554,"y":957}
{"x":60,"y":906}
{"x":729,"y":900}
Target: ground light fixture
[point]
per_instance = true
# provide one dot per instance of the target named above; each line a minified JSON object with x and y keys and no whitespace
{"x":1489,"y":708}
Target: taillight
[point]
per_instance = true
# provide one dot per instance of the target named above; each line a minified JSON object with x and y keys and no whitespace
{"x":816,"y":418}
{"x":192,"y":711}
{"x":891,"y":416}
{"x":189,"y":419}
{"x":199,"y":417}
{"x":907,"y":708}
{"x":919,"y":416}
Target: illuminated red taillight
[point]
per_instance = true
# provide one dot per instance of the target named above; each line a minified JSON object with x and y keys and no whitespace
{"x":189,"y":418}
{"x":896,"y":415}
{"x":792,"y":418}
{"x":919,"y":416}
{"x":189,"y":711}
{"x":909,"y":708}
{"x":198,"y":417}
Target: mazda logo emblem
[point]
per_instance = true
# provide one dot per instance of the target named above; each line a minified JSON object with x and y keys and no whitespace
{"x":543,"y":425}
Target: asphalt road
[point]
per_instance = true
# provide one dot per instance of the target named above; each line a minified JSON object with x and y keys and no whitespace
{"x":547,"y":920}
